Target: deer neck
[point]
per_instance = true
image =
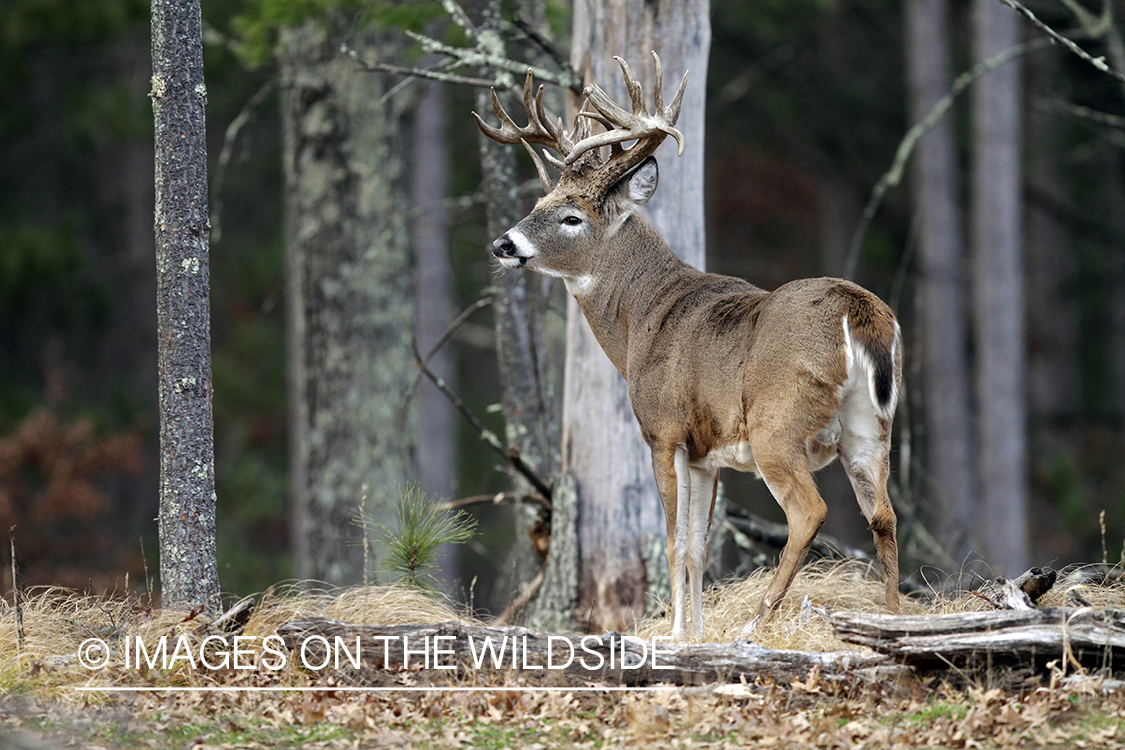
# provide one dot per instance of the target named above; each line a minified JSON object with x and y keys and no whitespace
{"x":628,"y":273}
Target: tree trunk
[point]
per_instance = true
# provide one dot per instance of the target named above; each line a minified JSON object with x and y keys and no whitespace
{"x":433,"y":287}
{"x":433,"y":290}
{"x":1054,"y":367}
{"x":1113,"y":197}
{"x":521,"y":353}
{"x":621,"y":531}
{"x":998,"y":296}
{"x":943,"y":287}
{"x":188,"y":569}
{"x":349,"y":293}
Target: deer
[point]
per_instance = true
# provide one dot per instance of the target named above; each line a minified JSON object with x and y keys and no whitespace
{"x":720,"y":373}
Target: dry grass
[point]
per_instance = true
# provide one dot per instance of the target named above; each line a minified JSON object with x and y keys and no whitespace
{"x":727,"y":607}
{"x":37,"y":684}
{"x":55,"y":623}
{"x":855,"y":587}
{"x":385,"y":605}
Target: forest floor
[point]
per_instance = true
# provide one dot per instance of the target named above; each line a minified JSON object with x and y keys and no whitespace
{"x":57,"y":695}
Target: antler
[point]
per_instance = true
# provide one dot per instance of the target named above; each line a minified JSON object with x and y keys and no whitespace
{"x":648,"y":130}
{"x":539,"y":130}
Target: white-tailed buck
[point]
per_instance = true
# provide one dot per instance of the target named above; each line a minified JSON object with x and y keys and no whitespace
{"x":720,"y":372}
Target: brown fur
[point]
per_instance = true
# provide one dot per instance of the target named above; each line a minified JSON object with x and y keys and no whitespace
{"x":720,"y":372}
{"x":713,"y":361}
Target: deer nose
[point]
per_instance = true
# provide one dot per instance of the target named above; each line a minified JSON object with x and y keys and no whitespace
{"x":503,"y":247}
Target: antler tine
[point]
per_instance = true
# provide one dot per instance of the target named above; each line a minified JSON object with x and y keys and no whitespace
{"x":647,"y":129}
{"x":544,"y":178}
{"x":677,"y":100}
{"x":658,"y":90}
{"x":593,"y":116}
{"x":537,"y":115}
{"x":633,"y":86}
{"x":497,"y":134}
{"x":536,"y":130}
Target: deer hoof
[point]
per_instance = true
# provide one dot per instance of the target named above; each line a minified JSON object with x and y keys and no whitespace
{"x":750,"y":630}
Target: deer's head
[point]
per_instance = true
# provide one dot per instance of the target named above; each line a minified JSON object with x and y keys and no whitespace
{"x":595,"y":195}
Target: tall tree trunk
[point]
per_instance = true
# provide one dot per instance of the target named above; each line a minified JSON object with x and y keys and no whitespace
{"x":350,"y":304}
{"x":621,"y":532}
{"x":188,"y":569}
{"x":433,"y":290}
{"x":433,"y":286}
{"x":1054,"y":364}
{"x":1113,"y":197}
{"x":521,"y":352}
{"x":998,"y":295}
{"x":943,"y":287}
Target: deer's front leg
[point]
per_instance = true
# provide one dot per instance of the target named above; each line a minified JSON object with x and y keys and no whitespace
{"x":669,"y":465}
{"x":701,"y":504}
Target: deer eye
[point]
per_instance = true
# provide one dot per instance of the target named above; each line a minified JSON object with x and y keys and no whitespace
{"x":572,"y":221}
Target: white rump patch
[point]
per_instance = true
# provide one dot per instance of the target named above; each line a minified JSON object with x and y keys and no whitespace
{"x":860,"y":414}
{"x":861,"y":369}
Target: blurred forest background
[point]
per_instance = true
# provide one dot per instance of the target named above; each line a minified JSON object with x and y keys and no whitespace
{"x":807,"y":101}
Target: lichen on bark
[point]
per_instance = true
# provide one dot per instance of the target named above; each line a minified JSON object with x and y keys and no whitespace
{"x":188,"y":567}
{"x":350,"y":298}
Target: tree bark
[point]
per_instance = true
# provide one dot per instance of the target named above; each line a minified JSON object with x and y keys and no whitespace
{"x":433,"y":293}
{"x":1054,"y":327}
{"x":949,"y":458}
{"x":1093,"y":637}
{"x":433,"y":286}
{"x":621,"y":532}
{"x":521,"y":352}
{"x":349,"y":292}
{"x":998,"y":292}
{"x":188,"y":568}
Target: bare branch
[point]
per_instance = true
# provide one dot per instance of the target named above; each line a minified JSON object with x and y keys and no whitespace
{"x":520,"y":602}
{"x":1097,"y":62}
{"x":500,"y":498}
{"x":483,"y":55}
{"x":893,"y":176}
{"x":434,"y":75}
{"x":487,"y":435}
{"x":229,"y":138}
{"x":460,"y":17}
{"x":1093,"y":115}
{"x":1095,"y":26}
{"x":459,"y":321}
{"x":551,"y":50}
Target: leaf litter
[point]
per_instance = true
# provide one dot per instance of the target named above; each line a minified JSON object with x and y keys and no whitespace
{"x":39,"y":681}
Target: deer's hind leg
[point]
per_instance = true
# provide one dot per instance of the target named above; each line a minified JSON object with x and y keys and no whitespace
{"x":785,"y":470}
{"x":865,"y":449}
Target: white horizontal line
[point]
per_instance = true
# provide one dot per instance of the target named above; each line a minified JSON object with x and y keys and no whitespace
{"x":351,"y":689}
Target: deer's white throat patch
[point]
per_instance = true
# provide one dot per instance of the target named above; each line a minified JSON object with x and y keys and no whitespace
{"x":578,"y":285}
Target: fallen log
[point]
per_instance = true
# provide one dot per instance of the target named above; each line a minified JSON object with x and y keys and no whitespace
{"x":458,"y":652}
{"x":1090,"y":637}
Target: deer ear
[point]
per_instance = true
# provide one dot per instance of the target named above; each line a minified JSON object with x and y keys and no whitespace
{"x":633,"y":190}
